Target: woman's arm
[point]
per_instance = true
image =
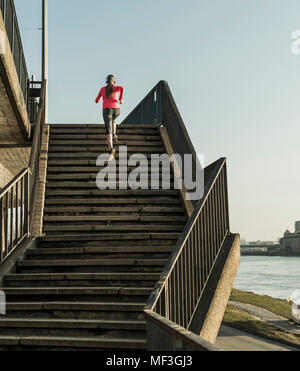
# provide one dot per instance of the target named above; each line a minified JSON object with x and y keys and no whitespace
{"x":99,"y":96}
{"x":121,"y":90}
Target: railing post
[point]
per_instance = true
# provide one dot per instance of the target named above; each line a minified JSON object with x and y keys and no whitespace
{"x":26,"y":203}
{"x":2,"y":229}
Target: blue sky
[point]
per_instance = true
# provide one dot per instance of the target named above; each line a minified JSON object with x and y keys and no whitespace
{"x":230,"y":68}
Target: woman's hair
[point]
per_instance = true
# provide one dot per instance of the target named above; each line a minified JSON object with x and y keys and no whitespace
{"x":110,"y":81}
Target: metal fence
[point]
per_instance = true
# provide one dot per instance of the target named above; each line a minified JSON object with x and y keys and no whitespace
{"x":159,"y":108}
{"x":149,"y":110}
{"x":183,"y":281}
{"x":14,"y":213}
{"x":17,"y":199}
{"x":181,"y":289}
{"x":8,"y":11}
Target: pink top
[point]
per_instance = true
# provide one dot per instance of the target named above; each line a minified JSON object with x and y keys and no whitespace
{"x":113,"y":101}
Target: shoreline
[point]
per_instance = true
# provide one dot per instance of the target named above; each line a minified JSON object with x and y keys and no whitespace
{"x":263,"y":316}
{"x":270,"y":254}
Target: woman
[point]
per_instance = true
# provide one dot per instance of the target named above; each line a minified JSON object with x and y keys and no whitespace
{"x":111,"y":109}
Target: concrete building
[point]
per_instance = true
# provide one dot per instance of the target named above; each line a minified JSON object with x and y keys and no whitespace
{"x":290,"y":243}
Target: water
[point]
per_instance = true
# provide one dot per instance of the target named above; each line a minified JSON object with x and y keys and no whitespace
{"x":277,"y":277}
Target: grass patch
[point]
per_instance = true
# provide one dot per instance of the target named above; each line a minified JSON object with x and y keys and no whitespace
{"x":241,"y":320}
{"x":276,"y":306}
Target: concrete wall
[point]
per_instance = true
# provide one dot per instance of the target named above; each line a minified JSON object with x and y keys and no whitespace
{"x":15,"y":127}
{"x":14,"y":123}
{"x":5,"y":176}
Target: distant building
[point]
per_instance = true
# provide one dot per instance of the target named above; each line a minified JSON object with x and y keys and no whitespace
{"x":290,"y":243}
{"x":260,"y":248}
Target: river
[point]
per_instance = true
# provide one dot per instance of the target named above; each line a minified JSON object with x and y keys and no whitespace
{"x":276,"y":276}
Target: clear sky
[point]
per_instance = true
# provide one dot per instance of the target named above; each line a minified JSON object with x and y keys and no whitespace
{"x":231,"y":70}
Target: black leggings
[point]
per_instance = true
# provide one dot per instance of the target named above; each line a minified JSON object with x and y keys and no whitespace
{"x":109,"y":116}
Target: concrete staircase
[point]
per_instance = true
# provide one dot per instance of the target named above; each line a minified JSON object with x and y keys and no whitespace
{"x":85,"y":286}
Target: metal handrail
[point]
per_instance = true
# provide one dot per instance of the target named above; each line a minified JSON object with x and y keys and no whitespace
{"x":14,"y":213}
{"x":17,"y":199}
{"x":33,"y":164}
{"x":37,"y":128}
{"x":149,"y":110}
{"x":179,"y":290}
{"x":199,"y":246}
{"x":164,"y":111}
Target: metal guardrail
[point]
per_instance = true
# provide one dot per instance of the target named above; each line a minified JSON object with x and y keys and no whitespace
{"x":179,"y":290}
{"x":178,"y":294}
{"x":149,"y":110}
{"x":14,"y":213}
{"x":34,"y":92}
{"x":17,"y":199}
{"x":159,"y":108}
{"x":8,"y":11}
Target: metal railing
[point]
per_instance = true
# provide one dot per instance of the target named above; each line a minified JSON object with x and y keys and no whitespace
{"x":182,"y":287}
{"x":14,"y":213}
{"x":17,"y":199}
{"x":34,"y":160}
{"x":159,"y":108}
{"x":179,"y":291}
{"x":34,"y":93}
{"x":8,"y":11}
{"x":149,"y":110}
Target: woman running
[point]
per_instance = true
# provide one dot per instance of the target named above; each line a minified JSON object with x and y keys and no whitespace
{"x":111,"y":109}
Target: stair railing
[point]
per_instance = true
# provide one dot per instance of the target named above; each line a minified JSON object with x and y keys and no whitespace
{"x":158,"y":108}
{"x":14,"y":213}
{"x":17,"y":199}
{"x":182,"y":283}
{"x":181,"y":289}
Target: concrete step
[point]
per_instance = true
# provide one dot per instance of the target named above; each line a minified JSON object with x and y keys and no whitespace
{"x":93,"y":170}
{"x":103,"y":149}
{"x":111,"y":193}
{"x":154,"y":137}
{"x":77,"y":229}
{"x":117,"y":238}
{"x":115,"y":218}
{"x":70,"y":243}
{"x":95,"y":265}
{"x":102,"y":250}
{"x":104,"y":185}
{"x":68,"y":323}
{"x":85,"y":294}
{"x":96,"y":125}
{"x":68,"y":161}
{"x":95,"y":155}
{"x":93,"y":176}
{"x":39,"y":343}
{"x":92,"y":262}
{"x":143,"y":203}
{"x":101,"y":130}
{"x":76,"y":310}
{"x":81,"y":279}
{"x":122,"y":141}
{"x":88,"y":256}
{"x":81,"y":328}
{"x":119,"y":210}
